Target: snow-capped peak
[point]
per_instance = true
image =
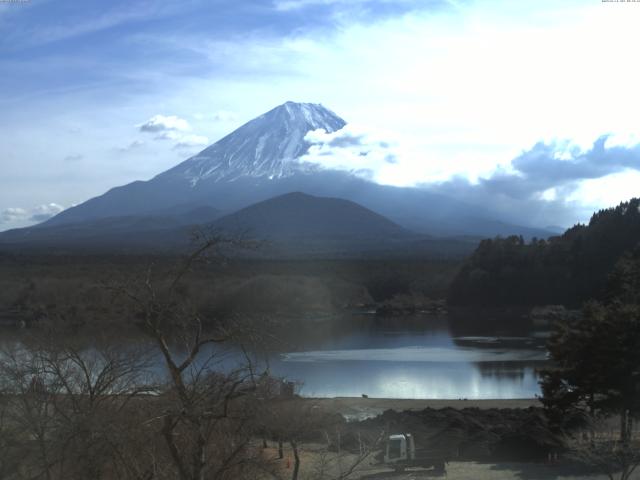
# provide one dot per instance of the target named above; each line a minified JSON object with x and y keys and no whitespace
{"x":267,"y":147}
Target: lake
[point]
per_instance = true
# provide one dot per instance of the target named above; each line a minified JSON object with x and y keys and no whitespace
{"x":428,"y":362}
{"x":418,"y":358}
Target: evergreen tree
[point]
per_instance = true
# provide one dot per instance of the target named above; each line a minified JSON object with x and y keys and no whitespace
{"x":568,"y":269}
{"x":597,"y":358}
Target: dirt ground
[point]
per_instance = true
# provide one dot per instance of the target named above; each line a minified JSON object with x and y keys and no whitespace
{"x":312,"y":462}
{"x":314,"y":459}
{"x":480,"y":471}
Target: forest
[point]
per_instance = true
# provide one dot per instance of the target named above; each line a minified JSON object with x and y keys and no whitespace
{"x":41,"y":291}
{"x":568,"y":269}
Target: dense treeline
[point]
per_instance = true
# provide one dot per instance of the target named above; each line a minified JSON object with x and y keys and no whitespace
{"x":568,"y":269}
{"x":36,"y":288}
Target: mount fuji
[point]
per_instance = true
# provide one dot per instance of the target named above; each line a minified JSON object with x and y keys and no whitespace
{"x":267,"y":147}
{"x":259,"y":161}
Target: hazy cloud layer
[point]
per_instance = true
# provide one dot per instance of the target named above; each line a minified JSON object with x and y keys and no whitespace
{"x":542,"y":180}
{"x":219,"y":116}
{"x":550,"y":165}
{"x":75,"y":157}
{"x":191,"y":141}
{"x":134,"y":145}
{"x":44,"y":212}
{"x":171,"y":128}
{"x":39,"y":213}
{"x":535,"y":188}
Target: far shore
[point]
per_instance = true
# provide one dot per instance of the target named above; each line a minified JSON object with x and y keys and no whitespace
{"x":360,"y":408}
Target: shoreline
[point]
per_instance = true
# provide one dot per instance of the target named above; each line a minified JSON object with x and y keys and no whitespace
{"x":358,"y":408}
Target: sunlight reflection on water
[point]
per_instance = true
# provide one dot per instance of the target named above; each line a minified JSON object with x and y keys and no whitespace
{"x":426,"y":364}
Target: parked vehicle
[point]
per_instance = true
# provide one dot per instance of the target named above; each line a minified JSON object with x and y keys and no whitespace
{"x":401,"y":453}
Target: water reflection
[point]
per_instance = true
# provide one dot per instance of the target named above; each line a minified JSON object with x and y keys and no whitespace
{"x":407,"y":380}
{"x":425,"y":362}
{"x":389,"y":359}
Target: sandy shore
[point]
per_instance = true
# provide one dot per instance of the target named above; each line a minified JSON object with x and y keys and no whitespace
{"x":355,"y":408}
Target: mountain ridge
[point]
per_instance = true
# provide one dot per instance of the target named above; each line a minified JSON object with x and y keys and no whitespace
{"x":293,"y":225}
{"x":261,"y":160}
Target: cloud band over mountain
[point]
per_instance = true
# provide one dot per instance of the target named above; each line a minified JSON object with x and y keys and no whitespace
{"x":39,"y":213}
{"x":539,"y":181}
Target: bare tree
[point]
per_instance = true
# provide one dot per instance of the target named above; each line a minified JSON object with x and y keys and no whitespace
{"x":299,"y":423}
{"x":69,"y":404}
{"x":31,"y":411}
{"x":336,"y":463}
{"x":76,"y":411}
{"x":208,"y":408}
{"x":9,"y":435}
{"x":601,"y":448}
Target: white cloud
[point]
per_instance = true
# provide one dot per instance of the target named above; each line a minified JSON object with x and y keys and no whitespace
{"x":172,"y":128}
{"x":168,"y":135}
{"x":383,"y":156}
{"x":20,"y":216}
{"x":13,"y":214}
{"x":189,"y":141}
{"x":354,"y":149}
{"x":470,"y":90}
{"x":551,"y":182}
{"x":608,"y":190}
{"x":162,"y":123}
{"x":46,"y":211}
{"x":462,"y":91}
{"x":182,"y":140}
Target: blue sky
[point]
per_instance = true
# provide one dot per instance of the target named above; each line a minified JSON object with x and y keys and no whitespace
{"x":527,"y":106}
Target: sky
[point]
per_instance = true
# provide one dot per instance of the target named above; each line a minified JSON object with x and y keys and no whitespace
{"x":529,"y":108}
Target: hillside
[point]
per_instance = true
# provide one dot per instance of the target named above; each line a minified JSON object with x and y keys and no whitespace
{"x":298,"y":215}
{"x":294,"y":225}
{"x":567,"y":269}
{"x":166,"y":230}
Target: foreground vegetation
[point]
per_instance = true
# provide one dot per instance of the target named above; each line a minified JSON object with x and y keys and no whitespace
{"x":69,"y":411}
{"x":597,"y":369}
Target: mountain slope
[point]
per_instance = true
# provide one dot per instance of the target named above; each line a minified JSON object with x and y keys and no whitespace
{"x":259,"y":153}
{"x":261,"y":160}
{"x":294,"y":225}
{"x":267,"y":147}
{"x":298,"y":216}
{"x":170,"y":228}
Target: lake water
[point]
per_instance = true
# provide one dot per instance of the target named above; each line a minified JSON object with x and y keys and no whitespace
{"x":419,"y":359}
{"x":416,"y":363}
